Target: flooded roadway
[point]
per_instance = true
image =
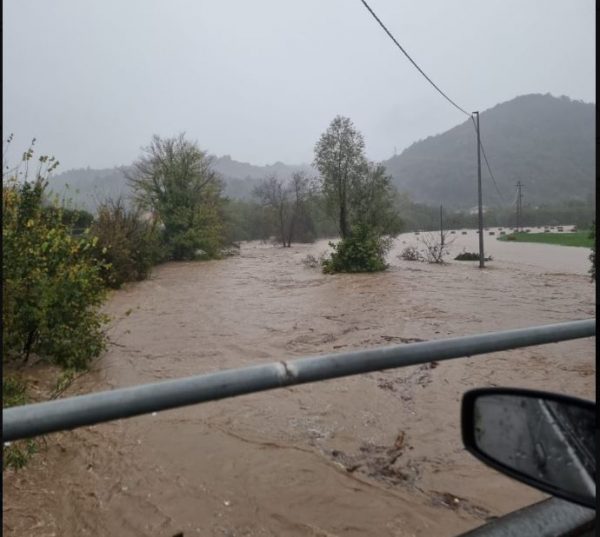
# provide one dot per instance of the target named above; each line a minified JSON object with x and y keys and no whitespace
{"x":378,"y":454}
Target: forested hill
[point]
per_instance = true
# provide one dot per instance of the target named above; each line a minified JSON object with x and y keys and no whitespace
{"x":88,"y":187}
{"x":544,"y":141}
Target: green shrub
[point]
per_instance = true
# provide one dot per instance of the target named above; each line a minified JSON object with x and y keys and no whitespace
{"x":16,"y":454}
{"x":51,"y":282}
{"x":14,"y":392}
{"x":411,"y":253}
{"x":76,"y":219}
{"x":470,"y":256}
{"x":127,"y":245}
{"x":362,"y":251}
{"x":467,"y":256}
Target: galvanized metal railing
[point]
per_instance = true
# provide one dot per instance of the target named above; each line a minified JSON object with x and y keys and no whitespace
{"x":32,"y":420}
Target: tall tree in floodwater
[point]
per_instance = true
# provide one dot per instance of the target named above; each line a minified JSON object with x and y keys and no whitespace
{"x":174,"y":179}
{"x":288,"y":207}
{"x":360,"y":195}
{"x":339,"y":157}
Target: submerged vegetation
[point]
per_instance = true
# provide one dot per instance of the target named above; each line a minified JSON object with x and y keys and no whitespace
{"x":363,"y":250}
{"x":175,"y":182}
{"x":470,"y":256}
{"x":360,"y":196}
{"x":127,"y":244}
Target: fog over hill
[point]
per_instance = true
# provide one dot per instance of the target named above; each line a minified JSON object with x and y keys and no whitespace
{"x":544,"y":141}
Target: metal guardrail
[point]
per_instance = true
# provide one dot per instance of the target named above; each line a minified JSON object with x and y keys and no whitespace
{"x":32,"y":420}
{"x":549,"y":518}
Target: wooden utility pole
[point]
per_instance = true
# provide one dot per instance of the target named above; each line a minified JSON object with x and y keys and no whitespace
{"x":479,"y":197}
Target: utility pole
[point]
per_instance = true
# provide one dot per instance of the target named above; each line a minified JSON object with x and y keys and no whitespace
{"x":441,"y":228}
{"x":519,"y":205}
{"x":479,"y":198}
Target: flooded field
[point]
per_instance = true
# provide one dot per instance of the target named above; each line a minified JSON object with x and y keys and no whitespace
{"x":378,"y":454}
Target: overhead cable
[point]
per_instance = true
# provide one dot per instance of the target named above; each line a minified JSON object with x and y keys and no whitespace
{"x":412,"y":61}
{"x":437,"y":88}
{"x":487,"y":163}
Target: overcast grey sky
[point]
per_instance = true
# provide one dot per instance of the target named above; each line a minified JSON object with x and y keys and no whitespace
{"x":261,"y":79}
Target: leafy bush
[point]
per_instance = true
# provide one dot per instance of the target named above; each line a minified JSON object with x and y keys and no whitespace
{"x":411,"y":253}
{"x":127,"y":245}
{"x":16,"y":454}
{"x":470,"y":256}
{"x":76,"y":219}
{"x":51,"y":282}
{"x":362,"y":251}
{"x":310,"y":261}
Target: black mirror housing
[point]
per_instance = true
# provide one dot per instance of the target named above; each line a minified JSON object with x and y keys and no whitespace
{"x":546,"y":440}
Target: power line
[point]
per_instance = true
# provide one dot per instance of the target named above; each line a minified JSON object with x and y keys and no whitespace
{"x":412,"y":61}
{"x":487,"y":164}
{"x":438,"y":89}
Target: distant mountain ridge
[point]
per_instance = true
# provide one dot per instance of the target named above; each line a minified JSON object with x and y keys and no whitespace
{"x":235,"y":169}
{"x":87,"y":187}
{"x":546,"y":142}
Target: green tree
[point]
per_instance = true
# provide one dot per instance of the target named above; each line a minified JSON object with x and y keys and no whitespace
{"x":174,"y":179}
{"x":361,"y":196}
{"x":373,"y":201}
{"x":339,"y":157}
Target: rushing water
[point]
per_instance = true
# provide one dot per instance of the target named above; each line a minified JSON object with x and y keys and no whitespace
{"x":378,"y":454}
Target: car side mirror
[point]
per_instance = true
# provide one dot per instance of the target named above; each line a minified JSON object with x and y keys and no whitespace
{"x":543,"y":439}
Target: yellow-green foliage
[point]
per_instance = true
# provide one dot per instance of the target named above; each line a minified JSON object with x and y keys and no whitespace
{"x":16,"y":454}
{"x":51,"y":283}
{"x":126,"y":244}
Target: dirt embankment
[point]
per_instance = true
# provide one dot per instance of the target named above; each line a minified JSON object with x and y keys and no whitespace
{"x":378,"y":454}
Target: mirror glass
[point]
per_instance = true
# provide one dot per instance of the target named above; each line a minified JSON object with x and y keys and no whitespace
{"x":549,"y":441}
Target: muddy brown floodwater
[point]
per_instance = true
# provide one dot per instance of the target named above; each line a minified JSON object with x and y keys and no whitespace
{"x":377,"y":455}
